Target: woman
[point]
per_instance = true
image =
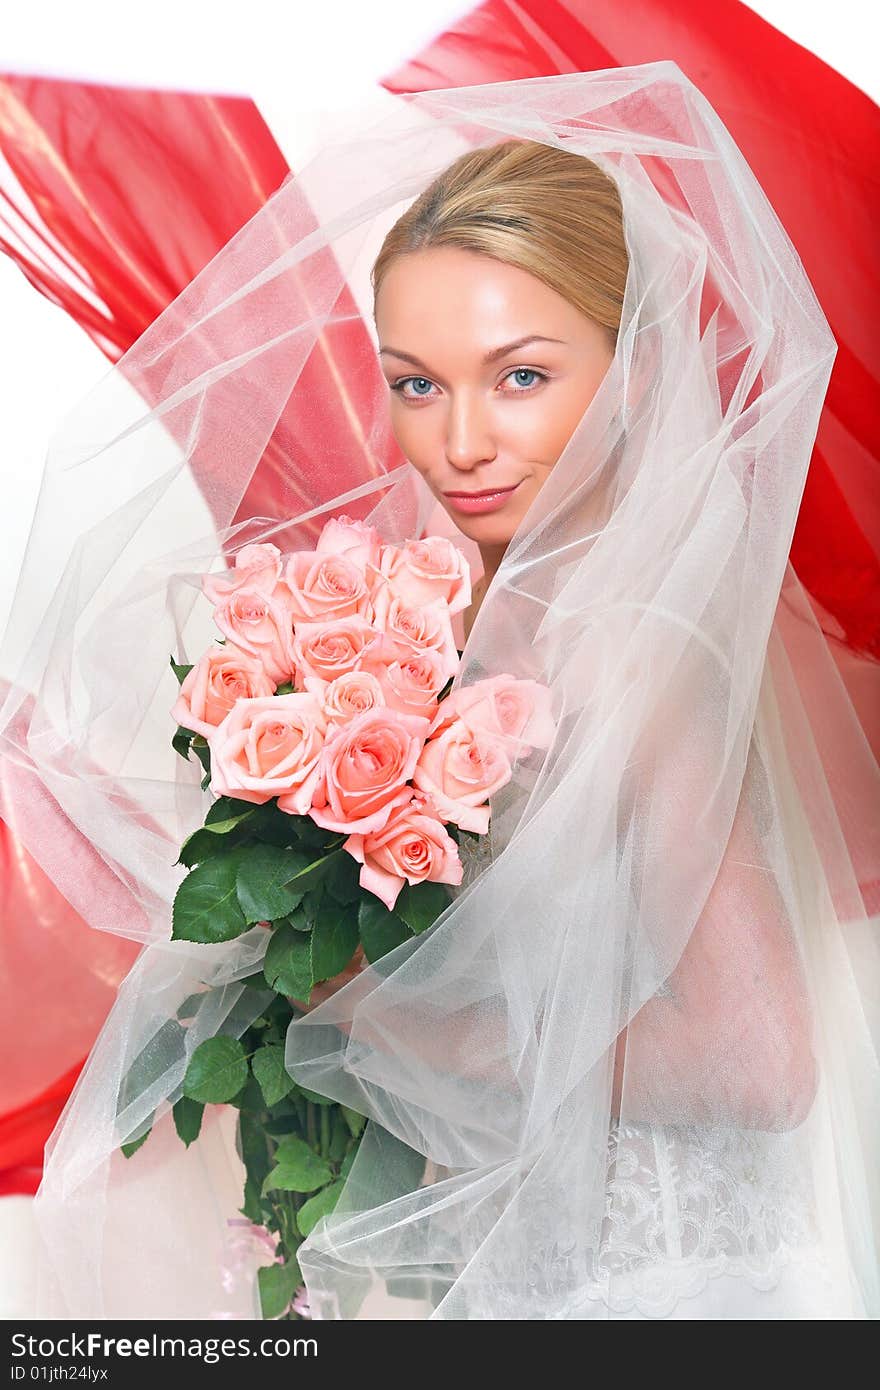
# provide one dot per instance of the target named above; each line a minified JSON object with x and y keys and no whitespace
{"x":512,"y":264}
{"x":455,"y":290}
{"x":636,"y":1047}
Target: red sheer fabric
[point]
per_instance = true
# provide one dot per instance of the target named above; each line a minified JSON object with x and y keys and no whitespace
{"x":59,"y":978}
{"x":114,"y":199}
{"x":123,"y":195}
{"x":24,"y":1131}
{"x":119,"y":197}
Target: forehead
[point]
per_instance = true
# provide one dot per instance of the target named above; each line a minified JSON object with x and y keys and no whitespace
{"x":448,"y":287}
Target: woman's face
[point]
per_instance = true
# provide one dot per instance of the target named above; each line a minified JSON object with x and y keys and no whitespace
{"x":473,"y":407}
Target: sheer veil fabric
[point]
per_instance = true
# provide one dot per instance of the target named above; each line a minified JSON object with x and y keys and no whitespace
{"x":631,"y":1071}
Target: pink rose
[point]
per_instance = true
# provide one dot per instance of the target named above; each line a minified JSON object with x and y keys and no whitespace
{"x":351,"y":694}
{"x":325,"y":587}
{"x":459,"y":769}
{"x":219,"y":678}
{"x":269,"y":747}
{"x":358,"y":542}
{"x":364,"y":768}
{"x":412,"y":847}
{"x":329,"y":649}
{"x":421,"y":572}
{"x":519,"y":710}
{"x":410,"y":680}
{"x":261,"y":626}
{"x":256,"y":567}
{"x":424,"y":629}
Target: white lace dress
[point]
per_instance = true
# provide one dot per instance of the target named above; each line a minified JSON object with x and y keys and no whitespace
{"x":699,"y":1223}
{"x":714,"y":1229}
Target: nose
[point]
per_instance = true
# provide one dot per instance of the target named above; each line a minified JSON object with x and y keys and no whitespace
{"x":469,"y":439}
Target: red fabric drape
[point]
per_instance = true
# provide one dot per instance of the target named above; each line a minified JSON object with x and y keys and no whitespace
{"x":123,"y":195}
{"x":59,"y":979}
{"x":120,"y":197}
{"x":24,"y":1131}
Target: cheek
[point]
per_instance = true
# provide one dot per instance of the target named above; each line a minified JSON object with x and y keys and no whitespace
{"x":540,"y":430}
{"x":560,"y":422}
{"x":412,"y":435}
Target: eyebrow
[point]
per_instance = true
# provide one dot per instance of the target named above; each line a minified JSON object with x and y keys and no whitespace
{"x":492,"y":356}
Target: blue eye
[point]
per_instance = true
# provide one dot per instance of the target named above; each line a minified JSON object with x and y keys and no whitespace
{"x":399,"y":385}
{"x":424,"y":382}
{"x":529,"y":371}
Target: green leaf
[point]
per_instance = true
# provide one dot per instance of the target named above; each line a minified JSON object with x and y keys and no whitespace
{"x":314,"y":1096}
{"x":297,"y":1167}
{"x":217,"y":1070}
{"x":252,"y":1208}
{"x":317,"y":837}
{"x":250,"y":1143}
{"x":354,"y":1121}
{"x":311,"y":903}
{"x":340,"y":1138}
{"x":420,"y":904}
{"x":278,"y":829}
{"x":299,"y":918}
{"x":214,"y":839}
{"x":334,"y":939}
{"x":279,"y":1012}
{"x":323,"y":1202}
{"x":249,"y":1097}
{"x":380,"y":930}
{"x":269,"y":883}
{"x":268,"y":1067}
{"x":188,"y":1118}
{"x":181,"y":671}
{"x":202,"y":751}
{"x":181,"y":741}
{"x":129,"y":1149}
{"x":287,"y":963}
{"x":285,"y":1107}
{"x":231,"y":808}
{"x":341,"y":879}
{"x":277,"y":1283}
{"x":161,"y":1051}
{"x":349,"y":1159}
{"x":206,"y":906}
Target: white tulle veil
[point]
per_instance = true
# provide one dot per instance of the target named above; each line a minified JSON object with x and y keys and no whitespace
{"x":690,"y":861}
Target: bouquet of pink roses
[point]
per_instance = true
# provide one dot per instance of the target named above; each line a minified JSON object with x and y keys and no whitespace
{"x":345,"y":775}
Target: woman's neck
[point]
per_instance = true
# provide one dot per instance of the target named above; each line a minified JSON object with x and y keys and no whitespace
{"x":491,"y":557}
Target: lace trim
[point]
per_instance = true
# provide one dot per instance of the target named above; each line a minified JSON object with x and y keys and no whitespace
{"x":681,"y":1208}
{"x":684,"y":1207}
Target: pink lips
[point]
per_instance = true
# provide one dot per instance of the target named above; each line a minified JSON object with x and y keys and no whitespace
{"x":480,"y":501}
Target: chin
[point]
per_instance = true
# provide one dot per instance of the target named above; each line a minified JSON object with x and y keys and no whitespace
{"x":488,"y":529}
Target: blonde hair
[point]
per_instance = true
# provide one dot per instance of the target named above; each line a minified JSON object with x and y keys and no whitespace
{"x":547,"y":210}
